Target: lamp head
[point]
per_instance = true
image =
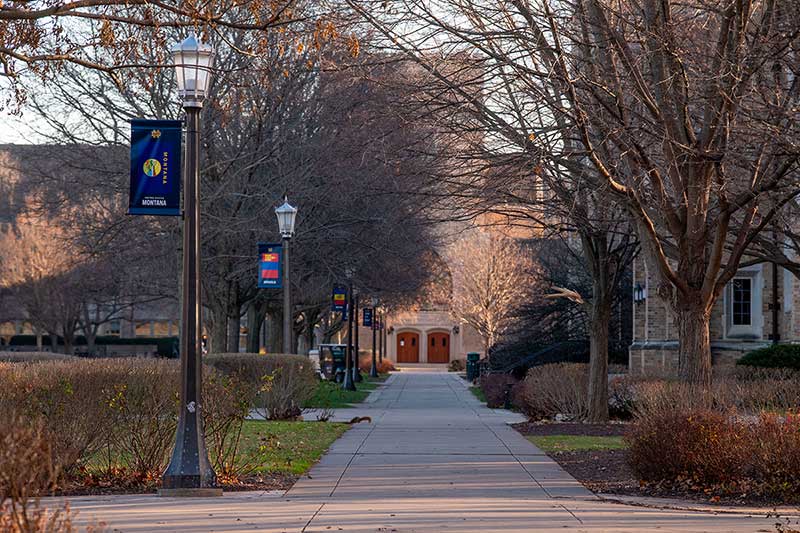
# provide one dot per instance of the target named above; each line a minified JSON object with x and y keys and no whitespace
{"x":286,"y":217}
{"x":193,"y":61}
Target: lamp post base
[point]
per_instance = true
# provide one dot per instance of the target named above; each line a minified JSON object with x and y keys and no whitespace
{"x":373,"y":372}
{"x":200,"y":492}
{"x":348,"y":384}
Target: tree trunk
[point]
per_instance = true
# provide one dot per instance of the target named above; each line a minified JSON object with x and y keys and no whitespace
{"x":274,"y":326}
{"x":694,"y":344}
{"x":233,"y":333}
{"x":599,"y":323}
{"x":255,"y":320}
{"x":218,"y":332}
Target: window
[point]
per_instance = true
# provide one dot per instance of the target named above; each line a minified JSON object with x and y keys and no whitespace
{"x":741,"y":294}
{"x":444,"y":341}
{"x":413,"y":341}
{"x":433,"y":341}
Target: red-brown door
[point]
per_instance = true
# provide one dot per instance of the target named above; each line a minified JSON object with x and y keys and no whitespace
{"x":408,"y":347}
{"x":438,"y":347}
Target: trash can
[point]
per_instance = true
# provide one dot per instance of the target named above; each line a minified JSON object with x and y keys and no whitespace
{"x":473,"y":360}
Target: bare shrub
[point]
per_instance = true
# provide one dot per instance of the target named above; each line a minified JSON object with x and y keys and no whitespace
{"x":65,"y":396}
{"x":497,"y":388}
{"x":384,"y":367}
{"x":457,"y":365}
{"x":227,"y":401}
{"x":279,"y":383}
{"x":27,"y":470}
{"x":698,"y":446}
{"x":549,"y":390}
{"x":32,"y":357}
{"x":775,"y":455}
{"x":142,"y":397}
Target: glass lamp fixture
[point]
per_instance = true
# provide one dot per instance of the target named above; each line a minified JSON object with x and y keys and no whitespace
{"x":286,"y":216}
{"x":193,"y":62}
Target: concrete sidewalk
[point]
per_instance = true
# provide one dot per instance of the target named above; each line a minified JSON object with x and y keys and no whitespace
{"x":433,"y":459}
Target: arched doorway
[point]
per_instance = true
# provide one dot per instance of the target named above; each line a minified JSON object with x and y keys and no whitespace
{"x":408,"y":347}
{"x":438,"y":347}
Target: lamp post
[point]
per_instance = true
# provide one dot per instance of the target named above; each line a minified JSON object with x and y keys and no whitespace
{"x":356,"y":371}
{"x":380,"y":338}
{"x":347,"y":383}
{"x":189,"y":472}
{"x":373,"y":371}
{"x":286,"y":216}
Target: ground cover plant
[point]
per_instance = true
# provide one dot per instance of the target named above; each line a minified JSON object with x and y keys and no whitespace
{"x":575,"y":443}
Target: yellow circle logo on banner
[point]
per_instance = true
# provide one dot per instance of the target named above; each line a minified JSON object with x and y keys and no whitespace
{"x":152,"y":167}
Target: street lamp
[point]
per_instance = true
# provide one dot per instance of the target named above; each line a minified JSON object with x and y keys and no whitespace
{"x":373,"y":371}
{"x":286,"y":215}
{"x":348,"y":383}
{"x":189,"y":472}
{"x":356,"y":371}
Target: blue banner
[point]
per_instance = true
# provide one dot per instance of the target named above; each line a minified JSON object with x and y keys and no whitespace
{"x":339,"y":299}
{"x":366,"y":313}
{"x":155,"y":167}
{"x":270,"y":266}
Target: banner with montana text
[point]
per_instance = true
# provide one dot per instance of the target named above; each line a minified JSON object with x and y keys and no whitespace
{"x":155,"y":167}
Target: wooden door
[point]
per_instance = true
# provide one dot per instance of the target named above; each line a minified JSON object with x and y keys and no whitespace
{"x":408,"y":347}
{"x":438,"y":347}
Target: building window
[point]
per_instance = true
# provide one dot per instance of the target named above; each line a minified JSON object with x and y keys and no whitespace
{"x":413,"y":341}
{"x":444,"y":341}
{"x":741,"y":300}
{"x":433,"y":341}
{"x":114,"y":327}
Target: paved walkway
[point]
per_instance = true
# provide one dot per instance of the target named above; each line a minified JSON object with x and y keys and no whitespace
{"x":433,"y":459}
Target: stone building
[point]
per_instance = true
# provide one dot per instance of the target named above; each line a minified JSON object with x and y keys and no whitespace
{"x":756,"y":309}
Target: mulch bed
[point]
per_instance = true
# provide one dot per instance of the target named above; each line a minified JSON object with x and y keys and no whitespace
{"x":266,"y":482}
{"x":607,"y":471}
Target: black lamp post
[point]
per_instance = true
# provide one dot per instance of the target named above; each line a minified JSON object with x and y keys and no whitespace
{"x":356,"y":371}
{"x":189,"y":472}
{"x":373,"y":371}
{"x":380,"y":338}
{"x":286,"y":216}
{"x":347,"y":383}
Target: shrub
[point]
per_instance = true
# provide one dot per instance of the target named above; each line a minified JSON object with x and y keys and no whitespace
{"x":143,"y":400}
{"x":775,"y":455}
{"x":118,"y":416}
{"x":496,"y":388}
{"x":27,"y":469}
{"x":30,"y":357}
{"x":227,"y":403}
{"x":549,"y":390}
{"x":621,"y":398}
{"x":66,"y":396}
{"x":773,"y":356}
{"x":280,"y":384}
{"x":383,"y":367}
{"x":696,"y":445}
{"x":457,"y":365}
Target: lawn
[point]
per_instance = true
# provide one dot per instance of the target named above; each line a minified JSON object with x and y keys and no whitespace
{"x":331,"y":395}
{"x":287,"y":447}
{"x":576,"y":443}
{"x":478,"y":392}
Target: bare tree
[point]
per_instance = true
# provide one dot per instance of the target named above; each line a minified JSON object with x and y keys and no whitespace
{"x":683,"y":112}
{"x":492,"y":278}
